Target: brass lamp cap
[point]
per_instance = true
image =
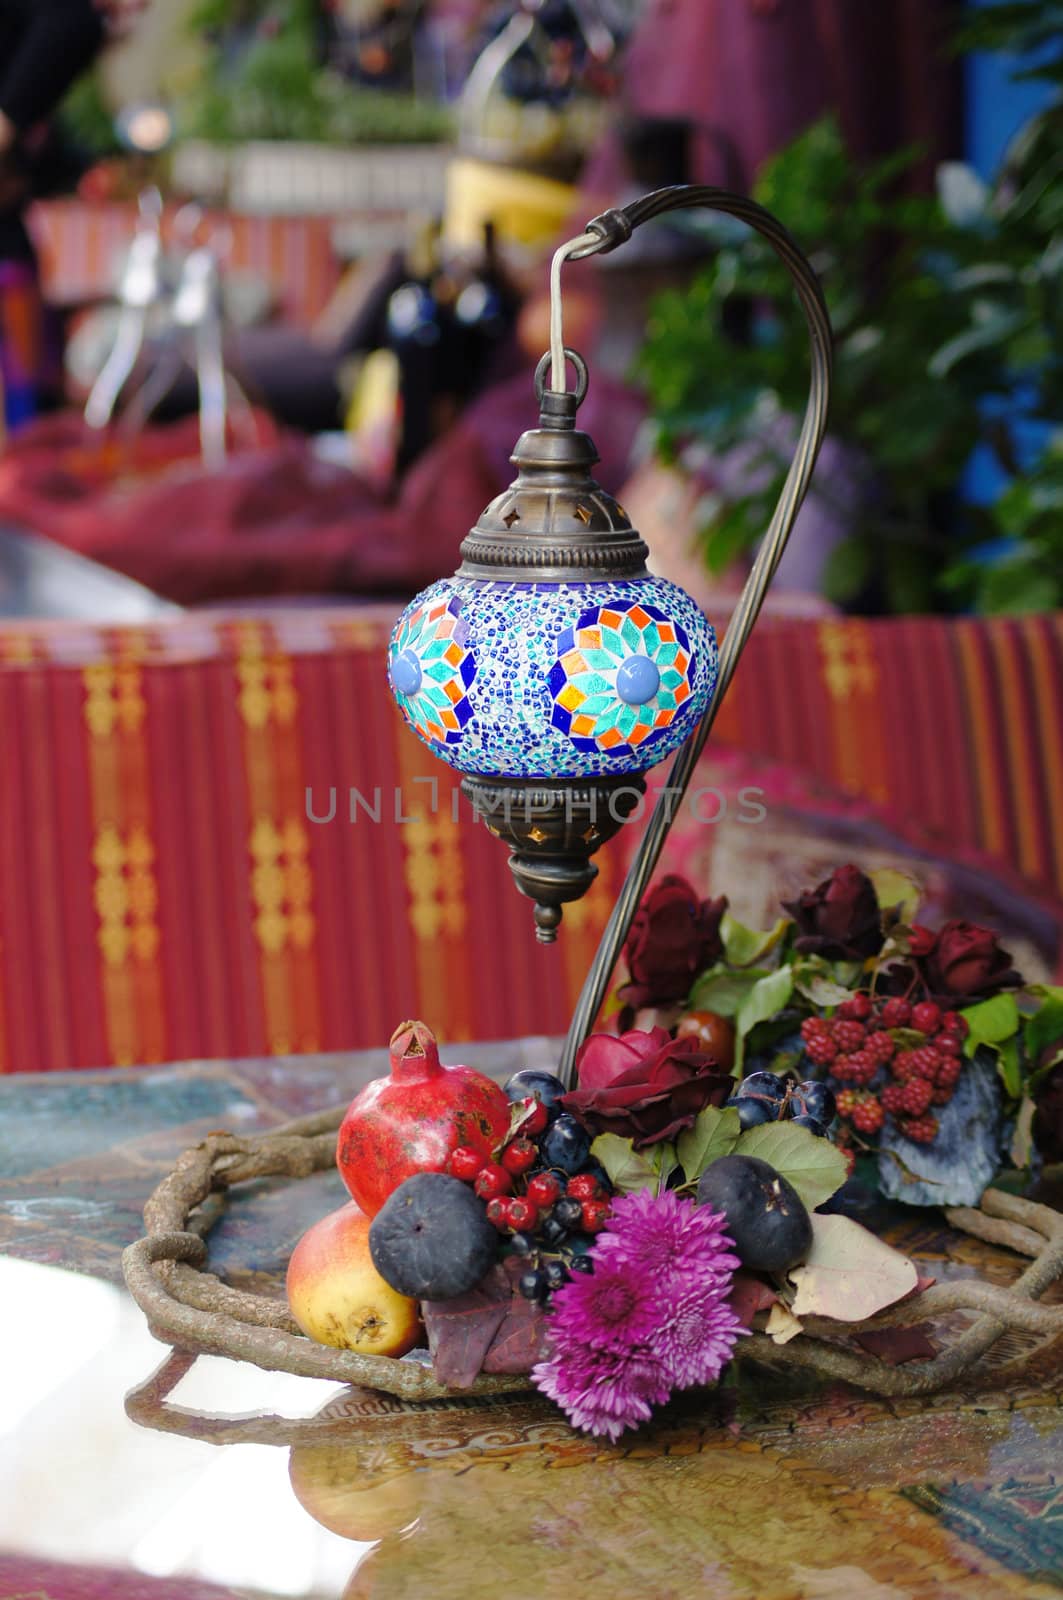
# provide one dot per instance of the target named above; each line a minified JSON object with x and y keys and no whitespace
{"x":555,"y":523}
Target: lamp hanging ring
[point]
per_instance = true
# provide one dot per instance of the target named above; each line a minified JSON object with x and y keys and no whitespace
{"x":580,"y":365}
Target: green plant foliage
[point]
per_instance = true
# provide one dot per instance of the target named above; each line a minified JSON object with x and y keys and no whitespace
{"x":86,"y":119}
{"x":264,"y":79}
{"x":814,"y":1166}
{"x":948,"y":316}
{"x":767,"y":997}
{"x":630,"y":1169}
{"x":1020,"y":27}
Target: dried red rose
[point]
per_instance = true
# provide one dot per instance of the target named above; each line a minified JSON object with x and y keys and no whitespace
{"x":673,"y":937}
{"x":840,"y":918}
{"x":965,"y":964}
{"x":653,"y":1095}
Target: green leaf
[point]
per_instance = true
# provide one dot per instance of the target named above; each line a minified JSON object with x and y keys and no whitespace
{"x":629,"y":1169}
{"x":744,"y":946}
{"x":1009,"y":1067}
{"x":722,"y":990}
{"x":814,"y":1166}
{"x":1017,"y":586}
{"x":813,"y":979}
{"x":766,"y":1036}
{"x":991,"y":1021}
{"x":1044,"y":991}
{"x":1044,"y":1028}
{"x":767,"y":996}
{"x":907,"y":1038}
{"x":1022,"y":1139}
{"x":714,"y":1134}
{"x":849,"y":569}
{"x":991,"y":326}
{"x":667,"y":1163}
{"x":896,"y":891}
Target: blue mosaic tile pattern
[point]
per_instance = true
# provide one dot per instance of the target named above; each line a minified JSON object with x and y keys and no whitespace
{"x":431,"y":667}
{"x":552,"y":680}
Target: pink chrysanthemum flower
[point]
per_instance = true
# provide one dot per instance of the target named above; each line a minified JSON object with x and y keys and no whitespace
{"x":653,"y":1316}
{"x":667,"y":1238}
{"x":698,"y":1340}
{"x":613,"y":1309}
{"x":604,"y":1392}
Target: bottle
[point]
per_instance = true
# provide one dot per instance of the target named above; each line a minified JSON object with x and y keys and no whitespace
{"x":420,"y":333}
{"x":484,"y":310}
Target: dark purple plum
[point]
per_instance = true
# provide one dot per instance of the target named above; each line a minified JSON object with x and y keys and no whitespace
{"x":766,"y":1217}
{"x":431,"y":1239}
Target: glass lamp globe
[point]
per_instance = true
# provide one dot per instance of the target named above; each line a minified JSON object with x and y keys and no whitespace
{"x":553,"y":670}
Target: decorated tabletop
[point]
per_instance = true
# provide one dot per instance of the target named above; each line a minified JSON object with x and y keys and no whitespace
{"x":80,"y":1152}
{"x":955,"y":1494}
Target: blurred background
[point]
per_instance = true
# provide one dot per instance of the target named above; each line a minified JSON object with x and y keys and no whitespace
{"x":356,"y":199}
{"x":273,"y":285}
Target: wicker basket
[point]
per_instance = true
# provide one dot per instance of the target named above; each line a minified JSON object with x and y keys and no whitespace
{"x":189,"y":1307}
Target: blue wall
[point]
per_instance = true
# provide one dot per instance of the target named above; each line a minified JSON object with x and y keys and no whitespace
{"x":996,"y":106}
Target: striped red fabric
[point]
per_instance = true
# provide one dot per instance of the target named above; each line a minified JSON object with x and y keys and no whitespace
{"x":218,"y":839}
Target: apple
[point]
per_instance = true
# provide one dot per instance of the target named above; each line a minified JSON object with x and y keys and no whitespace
{"x":337,"y":1296}
{"x":715,"y":1035}
{"x":332,"y":1483}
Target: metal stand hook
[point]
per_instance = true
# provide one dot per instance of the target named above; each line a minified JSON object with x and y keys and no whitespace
{"x":605,"y":233}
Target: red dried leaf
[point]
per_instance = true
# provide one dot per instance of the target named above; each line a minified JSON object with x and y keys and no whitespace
{"x":897,"y":1345}
{"x":460,"y":1331}
{"x":519,"y":1342}
{"x":750,"y":1294}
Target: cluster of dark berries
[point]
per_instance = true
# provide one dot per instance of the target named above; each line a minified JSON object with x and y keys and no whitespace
{"x":767,"y":1097}
{"x":559,"y":1246}
{"x":899,"y":1059}
{"x":542,"y":1186}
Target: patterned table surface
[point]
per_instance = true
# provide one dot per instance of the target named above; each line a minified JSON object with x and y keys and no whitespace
{"x":774,"y":1490}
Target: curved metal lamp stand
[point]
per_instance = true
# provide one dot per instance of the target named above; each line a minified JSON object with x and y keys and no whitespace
{"x":605,"y":233}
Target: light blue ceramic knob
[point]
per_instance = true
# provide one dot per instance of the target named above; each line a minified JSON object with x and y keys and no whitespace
{"x":406,"y":675}
{"x":638,"y":680}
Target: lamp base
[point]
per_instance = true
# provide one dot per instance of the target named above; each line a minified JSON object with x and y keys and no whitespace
{"x":553,"y":827}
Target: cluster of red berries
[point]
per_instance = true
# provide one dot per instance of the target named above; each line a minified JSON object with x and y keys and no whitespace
{"x":496,"y":1181}
{"x":919,"y":1047}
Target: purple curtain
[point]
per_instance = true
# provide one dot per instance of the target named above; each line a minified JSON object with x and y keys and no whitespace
{"x":760,"y":71}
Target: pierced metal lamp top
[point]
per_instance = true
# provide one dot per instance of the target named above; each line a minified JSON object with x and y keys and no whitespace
{"x":554,"y":523}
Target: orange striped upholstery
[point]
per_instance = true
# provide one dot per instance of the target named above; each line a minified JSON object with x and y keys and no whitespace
{"x":81,"y":244}
{"x":955,"y":722}
{"x":165,"y":894}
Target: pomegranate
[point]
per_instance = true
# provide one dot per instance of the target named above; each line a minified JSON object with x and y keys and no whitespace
{"x":412,"y":1119}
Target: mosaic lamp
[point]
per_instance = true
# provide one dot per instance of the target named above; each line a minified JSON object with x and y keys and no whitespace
{"x":553,"y":670}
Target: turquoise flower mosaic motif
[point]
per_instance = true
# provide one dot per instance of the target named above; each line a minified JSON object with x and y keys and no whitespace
{"x":431,"y":667}
{"x":622,"y":677}
{"x":543,"y":680}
